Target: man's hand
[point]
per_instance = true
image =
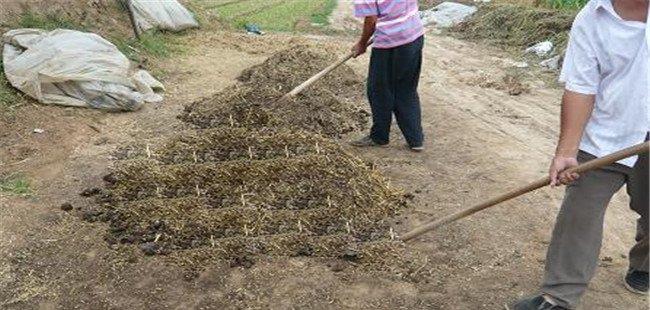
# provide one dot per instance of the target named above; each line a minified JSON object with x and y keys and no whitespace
{"x":576,"y":110}
{"x":359,"y":49}
{"x":369,"y":24}
{"x":557,"y":171}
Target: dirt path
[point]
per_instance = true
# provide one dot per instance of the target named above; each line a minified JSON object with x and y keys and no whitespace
{"x":480,"y":141}
{"x":342,"y":18}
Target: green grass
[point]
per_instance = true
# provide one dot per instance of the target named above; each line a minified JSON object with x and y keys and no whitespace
{"x":9,"y":96}
{"x":152,"y":43}
{"x":322,"y":16}
{"x":46,"y":21}
{"x":15,"y":185}
{"x":566,"y":4}
{"x":271,"y":15}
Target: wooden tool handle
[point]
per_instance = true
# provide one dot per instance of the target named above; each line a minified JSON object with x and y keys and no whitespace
{"x":321,"y":74}
{"x":588,"y":166}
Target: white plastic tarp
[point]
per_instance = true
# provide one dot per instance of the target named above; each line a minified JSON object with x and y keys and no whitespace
{"x":73,"y":68}
{"x":162,"y":14}
{"x":447,"y":14}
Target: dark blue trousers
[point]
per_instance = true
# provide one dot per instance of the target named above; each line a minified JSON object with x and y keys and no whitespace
{"x":393,"y":89}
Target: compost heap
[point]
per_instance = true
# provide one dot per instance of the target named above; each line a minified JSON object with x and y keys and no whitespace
{"x":332,"y":106}
{"x":518,"y":25}
{"x":258,"y":181}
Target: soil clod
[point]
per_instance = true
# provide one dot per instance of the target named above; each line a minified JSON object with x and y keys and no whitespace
{"x":350,"y":255}
{"x":149,"y":248}
{"x":66,"y":207}
{"x":242,"y":261}
{"x":89,"y":192}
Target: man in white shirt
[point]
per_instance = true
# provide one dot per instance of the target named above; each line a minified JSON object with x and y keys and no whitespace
{"x":604,"y":109}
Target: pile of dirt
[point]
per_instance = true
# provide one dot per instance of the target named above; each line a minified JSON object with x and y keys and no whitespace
{"x":331,"y":107}
{"x":518,"y":25}
{"x":202,"y":192}
{"x":511,"y":82}
{"x":289,"y":68}
{"x":260,"y":178}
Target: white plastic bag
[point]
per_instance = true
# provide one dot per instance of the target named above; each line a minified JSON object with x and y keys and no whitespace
{"x":73,"y":68}
{"x":541,"y":49}
{"x":162,"y":14}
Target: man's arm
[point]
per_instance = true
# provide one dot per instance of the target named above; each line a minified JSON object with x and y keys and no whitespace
{"x":576,"y":110}
{"x":369,"y":24}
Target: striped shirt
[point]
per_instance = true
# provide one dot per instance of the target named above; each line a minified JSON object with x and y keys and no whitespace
{"x":398,"y":21}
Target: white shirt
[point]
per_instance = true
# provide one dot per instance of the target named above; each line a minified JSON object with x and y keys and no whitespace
{"x":608,"y":57}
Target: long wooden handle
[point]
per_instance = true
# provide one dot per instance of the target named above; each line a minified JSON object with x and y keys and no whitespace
{"x":294,"y":92}
{"x":590,"y":165}
{"x":319,"y":76}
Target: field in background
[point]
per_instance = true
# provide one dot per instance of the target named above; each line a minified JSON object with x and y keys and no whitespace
{"x":271,"y":15}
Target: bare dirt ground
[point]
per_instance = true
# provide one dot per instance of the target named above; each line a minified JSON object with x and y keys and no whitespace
{"x":481,"y":141}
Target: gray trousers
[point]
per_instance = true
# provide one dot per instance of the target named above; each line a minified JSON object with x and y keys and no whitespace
{"x":575,"y":246}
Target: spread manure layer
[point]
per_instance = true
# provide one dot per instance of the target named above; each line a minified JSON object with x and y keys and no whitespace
{"x":258,"y":177}
{"x":330,"y":107}
{"x":311,"y":205}
{"x":226,"y":143}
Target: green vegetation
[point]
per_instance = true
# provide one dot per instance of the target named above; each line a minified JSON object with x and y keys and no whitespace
{"x":15,"y":185}
{"x":46,"y":21}
{"x":151,"y":43}
{"x":566,"y":4}
{"x":8,"y":95}
{"x":322,"y":17}
{"x":271,"y":15}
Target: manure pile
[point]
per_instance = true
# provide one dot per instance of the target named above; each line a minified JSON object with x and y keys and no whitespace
{"x":226,"y":193}
{"x":518,"y":25}
{"x":257,"y":178}
{"x":331,"y":107}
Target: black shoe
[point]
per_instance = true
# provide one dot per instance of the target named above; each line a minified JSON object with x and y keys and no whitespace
{"x":534,"y":303}
{"x":366,"y":141}
{"x":637,"y":282}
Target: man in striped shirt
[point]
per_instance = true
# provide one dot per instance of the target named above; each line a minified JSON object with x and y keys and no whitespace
{"x":394,"y":68}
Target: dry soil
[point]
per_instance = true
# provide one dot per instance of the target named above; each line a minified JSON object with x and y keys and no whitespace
{"x":480,"y":141}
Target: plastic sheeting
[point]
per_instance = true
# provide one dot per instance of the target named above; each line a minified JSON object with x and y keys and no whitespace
{"x":447,"y":14}
{"x":162,"y":14}
{"x":73,"y":68}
